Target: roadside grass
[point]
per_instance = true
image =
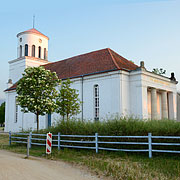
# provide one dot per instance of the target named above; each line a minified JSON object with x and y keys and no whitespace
{"x":115,"y":165}
{"x":1,"y":128}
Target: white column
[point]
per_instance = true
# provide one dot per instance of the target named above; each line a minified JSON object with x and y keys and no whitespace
{"x":172,"y":96}
{"x":164,"y":105}
{"x":153,"y":103}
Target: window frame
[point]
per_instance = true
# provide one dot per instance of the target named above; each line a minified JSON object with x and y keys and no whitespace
{"x":96,"y":102}
{"x":39,"y":52}
{"x":26,"y":50}
{"x":33,"y":50}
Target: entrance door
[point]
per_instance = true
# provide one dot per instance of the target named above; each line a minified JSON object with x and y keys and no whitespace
{"x":49,"y":120}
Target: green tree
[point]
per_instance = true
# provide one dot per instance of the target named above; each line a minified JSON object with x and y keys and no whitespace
{"x":68,"y":101}
{"x":2,"y":113}
{"x":159,"y":71}
{"x":36,"y":91}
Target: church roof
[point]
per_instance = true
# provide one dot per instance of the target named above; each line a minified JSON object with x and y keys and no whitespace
{"x":95,"y":62}
{"x":34,"y":31}
{"x":91,"y":63}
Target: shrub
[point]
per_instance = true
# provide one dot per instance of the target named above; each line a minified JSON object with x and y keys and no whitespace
{"x":117,"y":127}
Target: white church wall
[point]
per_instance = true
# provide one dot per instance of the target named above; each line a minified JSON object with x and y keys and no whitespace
{"x":25,"y":121}
{"x":16,"y":68}
{"x":124,"y":94}
{"x":136,"y":96}
{"x":109,"y":96}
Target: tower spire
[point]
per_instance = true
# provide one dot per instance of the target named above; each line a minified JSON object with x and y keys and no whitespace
{"x":33,"y":20}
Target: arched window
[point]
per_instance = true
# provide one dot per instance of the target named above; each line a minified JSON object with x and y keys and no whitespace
{"x":39,"y":52}
{"x":45,"y":55}
{"x":33,"y":50}
{"x":20,"y":51}
{"x":96,"y":102}
{"x":26,"y":50}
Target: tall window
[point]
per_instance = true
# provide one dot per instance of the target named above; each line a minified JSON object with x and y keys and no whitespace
{"x":20,"y":51}
{"x":16,"y":110}
{"x":26,"y":50}
{"x":96,"y":102}
{"x":33,"y":50}
{"x":45,"y":56}
{"x":39,"y":52}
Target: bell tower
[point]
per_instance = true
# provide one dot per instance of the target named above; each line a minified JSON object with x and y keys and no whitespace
{"x":32,"y":51}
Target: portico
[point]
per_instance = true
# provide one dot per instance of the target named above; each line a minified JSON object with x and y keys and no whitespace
{"x":159,"y":104}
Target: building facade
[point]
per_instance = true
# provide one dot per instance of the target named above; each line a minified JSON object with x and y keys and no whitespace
{"x":108,"y":85}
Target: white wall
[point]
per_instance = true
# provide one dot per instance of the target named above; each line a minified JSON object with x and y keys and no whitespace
{"x":109,"y":88}
{"x":17,"y":67}
{"x":120,"y":93}
{"x":109,"y":96}
{"x":25,"y":121}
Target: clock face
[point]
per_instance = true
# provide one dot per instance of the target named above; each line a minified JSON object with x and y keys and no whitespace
{"x":40,"y":40}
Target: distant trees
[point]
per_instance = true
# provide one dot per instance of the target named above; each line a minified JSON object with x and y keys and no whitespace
{"x":159,"y":71}
{"x":68,"y":103}
{"x":2,"y":113}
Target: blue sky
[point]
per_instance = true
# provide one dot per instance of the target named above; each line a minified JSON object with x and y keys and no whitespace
{"x":146,"y":30}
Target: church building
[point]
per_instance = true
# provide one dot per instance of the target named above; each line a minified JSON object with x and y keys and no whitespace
{"x":108,"y":85}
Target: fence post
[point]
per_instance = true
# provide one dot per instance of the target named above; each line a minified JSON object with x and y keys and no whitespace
{"x":30,"y":139}
{"x":96,"y":142}
{"x":59,"y":138}
{"x":28,"y":145}
{"x":10,"y":138}
{"x":150,"y":144}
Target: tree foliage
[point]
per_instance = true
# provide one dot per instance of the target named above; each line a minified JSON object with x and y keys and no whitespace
{"x":2,"y":113}
{"x":67,"y":100}
{"x":36,"y":91}
{"x":159,"y":71}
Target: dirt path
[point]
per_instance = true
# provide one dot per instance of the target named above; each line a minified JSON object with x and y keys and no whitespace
{"x":15,"y":167}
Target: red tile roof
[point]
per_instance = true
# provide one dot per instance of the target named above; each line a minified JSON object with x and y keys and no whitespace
{"x":95,"y":62}
{"x":34,"y":31}
{"x":13,"y":87}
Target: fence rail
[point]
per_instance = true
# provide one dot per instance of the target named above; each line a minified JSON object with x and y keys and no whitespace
{"x":96,"y":142}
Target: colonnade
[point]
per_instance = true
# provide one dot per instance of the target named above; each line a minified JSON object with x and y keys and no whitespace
{"x":154,"y":104}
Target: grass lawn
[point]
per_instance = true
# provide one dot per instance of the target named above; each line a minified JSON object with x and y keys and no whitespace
{"x":117,"y":165}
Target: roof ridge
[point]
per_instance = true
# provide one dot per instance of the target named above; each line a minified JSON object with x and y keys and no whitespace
{"x":109,"y":50}
{"x":124,"y":58}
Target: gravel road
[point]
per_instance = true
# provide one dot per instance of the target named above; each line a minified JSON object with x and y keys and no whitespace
{"x":16,"y":167}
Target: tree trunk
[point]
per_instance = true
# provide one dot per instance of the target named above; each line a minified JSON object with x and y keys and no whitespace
{"x":37,"y":119}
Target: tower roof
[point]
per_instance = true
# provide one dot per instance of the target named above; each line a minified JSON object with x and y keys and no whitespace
{"x":32,"y":31}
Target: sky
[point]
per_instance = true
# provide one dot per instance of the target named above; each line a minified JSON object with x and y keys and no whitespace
{"x":139,"y":30}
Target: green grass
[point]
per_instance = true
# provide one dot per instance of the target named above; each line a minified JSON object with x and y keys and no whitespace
{"x":117,"y":165}
{"x":1,"y":128}
{"x":117,"y":126}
